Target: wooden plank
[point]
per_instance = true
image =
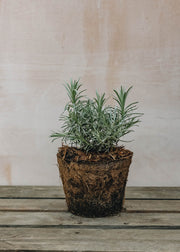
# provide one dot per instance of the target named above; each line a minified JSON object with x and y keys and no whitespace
{"x":65,"y":218}
{"x":153,"y":192}
{"x":45,"y":205}
{"x":153,"y":206}
{"x":48,"y":205}
{"x":54,"y":239}
{"x":31,"y":192}
{"x":57,"y":192}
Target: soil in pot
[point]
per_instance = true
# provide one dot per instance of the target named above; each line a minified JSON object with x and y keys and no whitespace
{"x":94,"y":183}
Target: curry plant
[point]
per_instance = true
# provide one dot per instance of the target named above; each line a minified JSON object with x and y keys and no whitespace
{"x":90,"y":124}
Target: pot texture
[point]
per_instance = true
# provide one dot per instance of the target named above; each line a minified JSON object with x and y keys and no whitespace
{"x":94,"y":189}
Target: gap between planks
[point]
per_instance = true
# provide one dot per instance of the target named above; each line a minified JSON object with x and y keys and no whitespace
{"x":95,"y":227}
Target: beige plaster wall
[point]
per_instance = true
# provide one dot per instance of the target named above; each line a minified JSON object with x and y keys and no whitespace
{"x":107,"y":43}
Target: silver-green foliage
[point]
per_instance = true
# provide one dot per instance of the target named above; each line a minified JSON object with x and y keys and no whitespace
{"x":92,"y":126}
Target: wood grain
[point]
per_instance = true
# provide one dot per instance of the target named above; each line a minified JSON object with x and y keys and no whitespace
{"x":57,"y":192}
{"x":53,"y":239}
{"x":36,"y":219}
{"x":56,"y":205}
{"x":66,"y":218}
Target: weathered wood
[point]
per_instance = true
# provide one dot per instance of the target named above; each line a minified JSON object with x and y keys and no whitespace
{"x":45,"y":205}
{"x":36,"y":219}
{"x":65,"y":218}
{"x":54,"y":239}
{"x":31,"y":192}
{"x":153,"y":192}
{"x":48,"y":205}
{"x":153,"y":206}
{"x":89,"y":246}
{"x":57,"y":192}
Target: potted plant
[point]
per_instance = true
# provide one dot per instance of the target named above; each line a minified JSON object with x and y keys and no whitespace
{"x":93,"y":168}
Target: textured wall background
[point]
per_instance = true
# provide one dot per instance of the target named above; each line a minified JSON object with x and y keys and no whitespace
{"x":107,"y":43}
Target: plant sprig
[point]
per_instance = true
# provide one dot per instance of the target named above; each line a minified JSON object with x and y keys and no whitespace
{"x":91,"y":125}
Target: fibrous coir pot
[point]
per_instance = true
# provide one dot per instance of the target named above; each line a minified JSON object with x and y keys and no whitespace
{"x":94,"y":188}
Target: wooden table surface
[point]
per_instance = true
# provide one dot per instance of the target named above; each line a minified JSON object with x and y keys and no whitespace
{"x":36,"y":219}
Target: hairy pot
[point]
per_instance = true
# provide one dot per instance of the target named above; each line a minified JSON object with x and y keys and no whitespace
{"x":94,"y":188}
